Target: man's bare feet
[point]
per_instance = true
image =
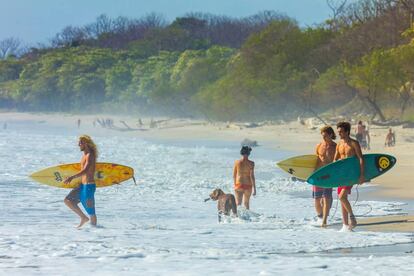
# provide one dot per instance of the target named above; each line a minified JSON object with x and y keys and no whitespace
{"x":353,"y":222}
{"x":83,"y":221}
{"x":324,"y":225}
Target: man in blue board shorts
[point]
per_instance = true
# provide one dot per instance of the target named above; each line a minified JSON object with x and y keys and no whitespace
{"x":85,"y":193}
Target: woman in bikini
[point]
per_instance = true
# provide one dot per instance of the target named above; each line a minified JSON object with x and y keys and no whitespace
{"x":243,"y":176}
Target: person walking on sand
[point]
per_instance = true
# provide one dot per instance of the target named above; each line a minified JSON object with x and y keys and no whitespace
{"x":359,"y":132}
{"x":243,"y":178}
{"x":390,"y":138}
{"x":348,"y":147}
{"x":325,"y":152}
{"x":366,"y":138}
{"x":85,"y":193}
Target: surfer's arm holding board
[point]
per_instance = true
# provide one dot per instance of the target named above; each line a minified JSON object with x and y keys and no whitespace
{"x":318,"y":160}
{"x":86,"y":167}
{"x":358,"y":153}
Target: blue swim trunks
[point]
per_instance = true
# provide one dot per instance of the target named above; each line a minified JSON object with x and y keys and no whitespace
{"x":87,"y":197}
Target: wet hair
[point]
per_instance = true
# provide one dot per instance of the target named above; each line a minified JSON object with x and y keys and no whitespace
{"x":245,"y":150}
{"x":91,"y":145}
{"x":216,"y":193}
{"x":329,"y":130}
{"x":345,"y":126}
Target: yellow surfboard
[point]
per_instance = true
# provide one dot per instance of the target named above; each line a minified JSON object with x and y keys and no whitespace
{"x":106,"y":174}
{"x":300,"y":167}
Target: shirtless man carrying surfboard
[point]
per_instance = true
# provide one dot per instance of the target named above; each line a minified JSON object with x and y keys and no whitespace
{"x":348,"y":147}
{"x":325,"y":151}
{"x":86,"y":191}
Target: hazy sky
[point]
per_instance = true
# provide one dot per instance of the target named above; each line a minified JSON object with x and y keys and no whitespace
{"x":38,"y":20}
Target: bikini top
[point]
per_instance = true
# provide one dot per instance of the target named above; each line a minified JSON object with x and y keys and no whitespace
{"x":243,"y":172}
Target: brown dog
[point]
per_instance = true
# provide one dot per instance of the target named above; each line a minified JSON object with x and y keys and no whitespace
{"x":225,"y":203}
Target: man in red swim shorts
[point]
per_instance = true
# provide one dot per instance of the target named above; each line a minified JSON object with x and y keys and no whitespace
{"x":348,"y":147}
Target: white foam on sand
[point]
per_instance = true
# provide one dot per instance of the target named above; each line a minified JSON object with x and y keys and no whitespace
{"x":163,"y":226}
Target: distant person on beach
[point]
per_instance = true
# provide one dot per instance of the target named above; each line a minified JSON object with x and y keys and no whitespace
{"x":366,"y":139}
{"x":5,"y":125}
{"x":85,"y":193}
{"x":348,"y":147}
{"x":390,"y":138}
{"x":359,"y":132}
{"x":225,"y":203}
{"x":79,"y":123}
{"x":325,"y":151}
{"x":243,"y":177}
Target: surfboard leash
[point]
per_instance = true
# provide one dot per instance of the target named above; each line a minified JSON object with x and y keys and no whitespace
{"x":365,"y":204}
{"x":332,"y":215}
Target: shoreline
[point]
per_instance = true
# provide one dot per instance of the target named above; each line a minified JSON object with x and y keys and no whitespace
{"x":292,"y":136}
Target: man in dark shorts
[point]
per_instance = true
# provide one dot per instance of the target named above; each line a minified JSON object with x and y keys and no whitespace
{"x":325,"y":151}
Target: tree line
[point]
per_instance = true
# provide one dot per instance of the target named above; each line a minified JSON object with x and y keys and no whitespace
{"x":258,"y":67}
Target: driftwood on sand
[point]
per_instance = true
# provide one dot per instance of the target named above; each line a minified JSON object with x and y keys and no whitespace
{"x":127,"y":127}
{"x":394,"y":123}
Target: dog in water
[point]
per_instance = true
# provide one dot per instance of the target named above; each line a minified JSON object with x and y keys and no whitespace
{"x":225,"y":203}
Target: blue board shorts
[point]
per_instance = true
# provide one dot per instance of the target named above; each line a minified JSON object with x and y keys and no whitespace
{"x":85,"y":194}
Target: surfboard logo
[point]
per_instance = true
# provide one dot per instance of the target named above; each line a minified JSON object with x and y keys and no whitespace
{"x":99,"y":175}
{"x":58,"y":177}
{"x":291,"y":171}
{"x":383,"y":163}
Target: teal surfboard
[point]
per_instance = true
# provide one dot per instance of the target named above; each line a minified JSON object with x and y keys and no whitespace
{"x":346,"y":172}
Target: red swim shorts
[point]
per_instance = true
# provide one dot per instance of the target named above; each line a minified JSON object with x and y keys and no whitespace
{"x":346,"y":188}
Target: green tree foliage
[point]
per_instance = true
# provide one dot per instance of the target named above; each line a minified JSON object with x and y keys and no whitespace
{"x":268,"y":75}
{"x":273,"y":67}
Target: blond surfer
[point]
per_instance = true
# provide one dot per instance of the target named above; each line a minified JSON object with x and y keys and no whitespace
{"x":325,"y":151}
{"x":348,"y":147}
{"x":85,"y":193}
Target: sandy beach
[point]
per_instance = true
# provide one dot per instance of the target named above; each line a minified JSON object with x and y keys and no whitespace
{"x":293,"y":136}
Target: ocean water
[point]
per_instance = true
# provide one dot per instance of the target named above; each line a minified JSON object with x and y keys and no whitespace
{"x":162,"y":226}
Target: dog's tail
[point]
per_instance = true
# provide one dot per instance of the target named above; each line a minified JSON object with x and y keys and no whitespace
{"x":207,"y":199}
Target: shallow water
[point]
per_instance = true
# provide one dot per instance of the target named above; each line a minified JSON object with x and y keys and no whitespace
{"x":162,"y":226}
